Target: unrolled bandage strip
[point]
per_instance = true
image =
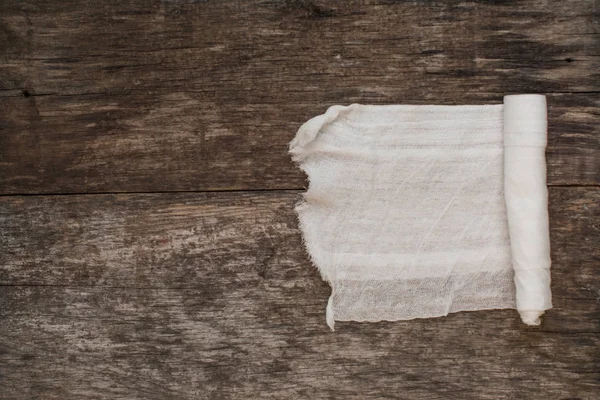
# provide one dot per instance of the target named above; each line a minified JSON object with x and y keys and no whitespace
{"x":420,"y":211}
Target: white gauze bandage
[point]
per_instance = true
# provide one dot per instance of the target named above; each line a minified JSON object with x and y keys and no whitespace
{"x":420,"y":211}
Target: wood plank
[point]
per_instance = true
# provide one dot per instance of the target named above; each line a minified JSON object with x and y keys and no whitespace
{"x":189,"y":240}
{"x":148,"y":96}
{"x":204,"y":295}
{"x":258,"y":48}
{"x":267,"y":342}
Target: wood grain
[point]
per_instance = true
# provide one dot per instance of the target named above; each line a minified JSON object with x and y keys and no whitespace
{"x":211,"y":296}
{"x":149,"y":96}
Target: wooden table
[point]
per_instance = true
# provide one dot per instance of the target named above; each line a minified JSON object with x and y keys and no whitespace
{"x":148,"y":244}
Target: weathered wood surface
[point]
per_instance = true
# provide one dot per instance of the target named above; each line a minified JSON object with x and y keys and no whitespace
{"x":192,"y":240}
{"x":210,"y":295}
{"x":203,"y":295}
{"x":149,"y":96}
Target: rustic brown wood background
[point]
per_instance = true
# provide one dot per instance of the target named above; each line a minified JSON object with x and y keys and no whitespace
{"x":148,"y":245}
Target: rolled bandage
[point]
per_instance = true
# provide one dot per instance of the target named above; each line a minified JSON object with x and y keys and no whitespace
{"x":526,"y":196}
{"x":418,"y":211}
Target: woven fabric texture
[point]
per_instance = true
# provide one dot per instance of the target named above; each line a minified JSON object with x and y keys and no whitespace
{"x":405,"y":215}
